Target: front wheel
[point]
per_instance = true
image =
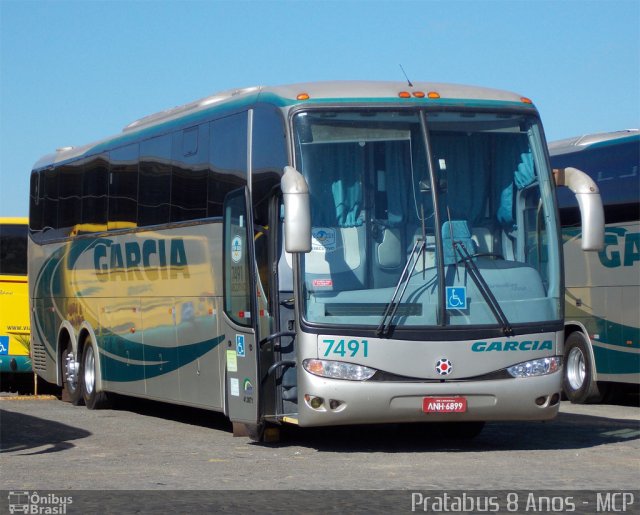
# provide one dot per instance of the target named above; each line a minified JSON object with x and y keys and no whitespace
{"x":578,"y":383}
{"x":92,"y":398}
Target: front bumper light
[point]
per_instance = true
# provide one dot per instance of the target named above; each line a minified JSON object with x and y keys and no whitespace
{"x":338,"y":369}
{"x":536,"y":367}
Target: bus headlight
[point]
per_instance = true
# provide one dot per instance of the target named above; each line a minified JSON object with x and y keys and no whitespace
{"x":338,"y":369}
{"x":536,"y":367}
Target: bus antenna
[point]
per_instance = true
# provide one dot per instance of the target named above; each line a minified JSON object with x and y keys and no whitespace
{"x":406,"y":77}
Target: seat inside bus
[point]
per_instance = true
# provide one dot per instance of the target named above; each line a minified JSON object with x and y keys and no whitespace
{"x":368,"y":211}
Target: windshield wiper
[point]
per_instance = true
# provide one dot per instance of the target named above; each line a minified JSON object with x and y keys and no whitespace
{"x":482,"y":285}
{"x":390,"y":311}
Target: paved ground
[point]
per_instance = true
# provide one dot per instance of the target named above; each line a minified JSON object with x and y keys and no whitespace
{"x":53,"y":445}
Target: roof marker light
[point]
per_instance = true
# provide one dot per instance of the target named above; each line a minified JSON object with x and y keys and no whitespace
{"x":526,"y":100}
{"x":419,"y":94}
{"x":404,"y":94}
{"x":303,"y":96}
{"x":433,"y":94}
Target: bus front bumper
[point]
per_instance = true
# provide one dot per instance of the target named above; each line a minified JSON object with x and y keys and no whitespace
{"x":325,"y":402}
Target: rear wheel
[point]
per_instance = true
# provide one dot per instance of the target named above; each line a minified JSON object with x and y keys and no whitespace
{"x":71,"y":390}
{"x":578,"y":383}
{"x":89,"y":371}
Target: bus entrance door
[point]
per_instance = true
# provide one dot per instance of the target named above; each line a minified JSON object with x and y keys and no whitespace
{"x":240,"y":320}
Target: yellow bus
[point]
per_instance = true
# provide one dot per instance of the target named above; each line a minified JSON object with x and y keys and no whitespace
{"x":14,"y":296}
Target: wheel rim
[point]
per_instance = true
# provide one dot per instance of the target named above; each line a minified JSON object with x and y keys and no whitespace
{"x":576,"y":368}
{"x":89,"y":370}
{"x":71,"y":371}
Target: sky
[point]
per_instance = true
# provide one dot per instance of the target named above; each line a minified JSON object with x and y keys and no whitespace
{"x":73,"y":72}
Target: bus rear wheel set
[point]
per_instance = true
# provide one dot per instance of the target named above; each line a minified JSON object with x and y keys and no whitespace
{"x":79,"y":377}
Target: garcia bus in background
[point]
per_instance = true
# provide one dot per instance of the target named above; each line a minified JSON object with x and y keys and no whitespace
{"x":14,"y":296}
{"x":315,"y":254}
{"x":602,"y":329}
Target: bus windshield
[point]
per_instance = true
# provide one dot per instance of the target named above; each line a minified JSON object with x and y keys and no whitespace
{"x":427,"y":219}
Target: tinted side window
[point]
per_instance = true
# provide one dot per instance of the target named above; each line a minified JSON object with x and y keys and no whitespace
{"x":50,"y":198}
{"x":614,"y":167}
{"x":35,"y":203}
{"x":189,"y":176}
{"x":269,"y":157}
{"x":227,"y":159}
{"x":13,"y":249}
{"x":155,"y":181}
{"x":237,"y":263}
{"x":70,"y":196}
{"x":123,"y":187}
{"x":95,"y":188}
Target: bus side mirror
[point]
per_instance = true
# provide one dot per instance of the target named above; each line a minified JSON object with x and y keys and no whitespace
{"x":591,"y":212}
{"x":297,"y":211}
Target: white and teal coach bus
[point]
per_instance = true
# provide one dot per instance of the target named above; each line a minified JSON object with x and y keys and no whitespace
{"x":602,"y":331}
{"x":315,"y":254}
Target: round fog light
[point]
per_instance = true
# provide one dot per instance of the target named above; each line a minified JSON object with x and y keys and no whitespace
{"x":316,"y":402}
{"x":313,"y":401}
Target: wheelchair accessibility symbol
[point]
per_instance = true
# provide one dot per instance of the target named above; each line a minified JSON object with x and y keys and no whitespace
{"x":240,"y":345}
{"x":4,"y":345}
{"x":456,"y":297}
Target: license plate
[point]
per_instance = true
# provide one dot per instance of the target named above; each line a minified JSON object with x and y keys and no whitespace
{"x":444,"y":404}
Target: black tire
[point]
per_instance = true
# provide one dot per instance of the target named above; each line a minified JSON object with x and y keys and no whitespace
{"x":577,"y":379}
{"x":71,"y":387}
{"x":88,"y":373}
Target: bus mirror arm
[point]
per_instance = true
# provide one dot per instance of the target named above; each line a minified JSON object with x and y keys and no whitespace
{"x":297,"y":213}
{"x":591,"y":211}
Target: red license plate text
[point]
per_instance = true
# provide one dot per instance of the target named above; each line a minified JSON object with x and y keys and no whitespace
{"x":444,"y":404}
